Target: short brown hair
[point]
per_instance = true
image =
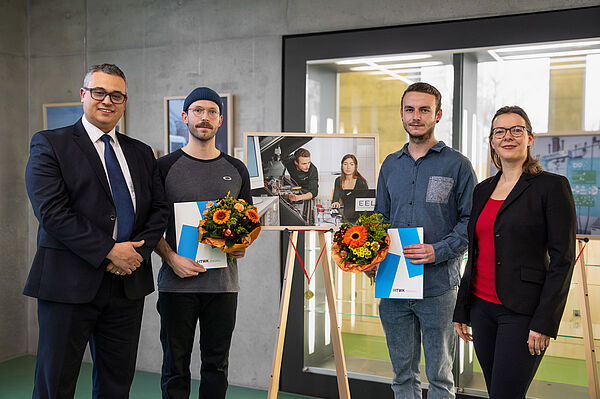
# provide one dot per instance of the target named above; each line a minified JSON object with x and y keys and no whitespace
{"x":301,"y":152}
{"x":531,"y":165}
{"x":109,"y":69}
{"x":423,"y":87}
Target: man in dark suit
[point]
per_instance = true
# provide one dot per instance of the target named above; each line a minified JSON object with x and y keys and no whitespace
{"x":101,"y":209}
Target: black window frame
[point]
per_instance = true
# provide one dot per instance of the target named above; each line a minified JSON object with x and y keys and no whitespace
{"x":570,"y":24}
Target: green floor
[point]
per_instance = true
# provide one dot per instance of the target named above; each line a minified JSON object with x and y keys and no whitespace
{"x":16,"y":381}
{"x":552,"y":369}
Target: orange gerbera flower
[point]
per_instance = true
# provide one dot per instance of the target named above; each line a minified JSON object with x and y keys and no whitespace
{"x":355,"y":236}
{"x":221,"y":216}
{"x":252,"y":215}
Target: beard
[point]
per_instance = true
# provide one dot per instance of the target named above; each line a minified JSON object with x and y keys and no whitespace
{"x":420,"y":138}
{"x":195,"y":131}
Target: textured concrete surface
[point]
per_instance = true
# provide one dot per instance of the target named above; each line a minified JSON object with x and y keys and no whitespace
{"x":13,"y":155}
{"x":166,"y":48}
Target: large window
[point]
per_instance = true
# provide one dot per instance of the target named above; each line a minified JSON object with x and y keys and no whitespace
{"x":353,"y":83}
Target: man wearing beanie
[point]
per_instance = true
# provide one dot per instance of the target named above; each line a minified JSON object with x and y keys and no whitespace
{"x":188,"y":293}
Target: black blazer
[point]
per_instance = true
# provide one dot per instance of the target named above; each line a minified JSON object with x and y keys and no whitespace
{"x":534,"y":249}
{"x":71,"y":199}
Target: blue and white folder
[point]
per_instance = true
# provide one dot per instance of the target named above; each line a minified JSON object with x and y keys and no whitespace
{"x":396,"y":276}
{"x":187,"y":218}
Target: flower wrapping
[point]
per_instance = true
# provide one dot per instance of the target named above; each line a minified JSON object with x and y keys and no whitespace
{"x":230,"y":224}
{"x":361,"y":246}
{"x":220,"y":242}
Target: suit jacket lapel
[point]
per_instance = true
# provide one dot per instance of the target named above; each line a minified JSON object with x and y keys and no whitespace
{"x":132,"y":163}
{"x":484,"y":195}
{"x":87,"y":147}
{"x":521,"y":185}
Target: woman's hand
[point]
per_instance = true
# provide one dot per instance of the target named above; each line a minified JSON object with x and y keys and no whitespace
{"x":463,"y":331}
{"x":335,"y":205}
{"x":537,"y":342}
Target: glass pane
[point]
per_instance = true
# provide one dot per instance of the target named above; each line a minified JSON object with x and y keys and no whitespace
{"x":362,"y":96}
{"x":557,"y":85}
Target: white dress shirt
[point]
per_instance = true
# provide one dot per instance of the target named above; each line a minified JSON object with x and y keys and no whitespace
{"x":95,"y":134}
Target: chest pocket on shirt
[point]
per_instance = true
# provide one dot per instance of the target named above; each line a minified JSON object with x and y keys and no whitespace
{"x":438,"y":189}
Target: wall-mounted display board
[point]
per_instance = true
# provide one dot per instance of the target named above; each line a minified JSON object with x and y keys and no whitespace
{"x":66,"y":114}
{"x":575,"y":155}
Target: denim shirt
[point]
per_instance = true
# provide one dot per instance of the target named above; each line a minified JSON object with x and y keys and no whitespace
{"x":434,"y":192}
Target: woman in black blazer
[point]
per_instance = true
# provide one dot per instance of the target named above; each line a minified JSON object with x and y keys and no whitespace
{"x":521,"y":256}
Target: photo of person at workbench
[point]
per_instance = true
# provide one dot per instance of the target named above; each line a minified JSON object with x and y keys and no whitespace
{"x":304,"y":174}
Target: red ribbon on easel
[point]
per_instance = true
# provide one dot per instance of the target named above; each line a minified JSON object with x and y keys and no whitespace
{"x":308,"y":278}
{"x":585,"y":241}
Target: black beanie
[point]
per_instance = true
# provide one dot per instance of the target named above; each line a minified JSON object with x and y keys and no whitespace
{"x":203,"y":93}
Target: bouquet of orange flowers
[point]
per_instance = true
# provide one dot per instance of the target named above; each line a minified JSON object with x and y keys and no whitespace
{"x":361,"y":246}
{"x":231,"y":224}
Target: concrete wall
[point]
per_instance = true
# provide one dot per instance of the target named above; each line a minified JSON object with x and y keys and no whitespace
{"x":13,"y":156}
{"x":166,"y":48}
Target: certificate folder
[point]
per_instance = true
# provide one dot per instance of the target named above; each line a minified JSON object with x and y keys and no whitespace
{"x":187,"y":218}
{"x":397,"y":277}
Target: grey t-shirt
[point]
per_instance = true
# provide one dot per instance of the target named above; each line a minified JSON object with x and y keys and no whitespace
{"x":189,"y":179}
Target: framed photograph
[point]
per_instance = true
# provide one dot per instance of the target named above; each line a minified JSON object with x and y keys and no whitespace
{"x":65,"y":114}
{"x":575,"y":155}
{"x":296,"y":178}
{"x":176,"y":132}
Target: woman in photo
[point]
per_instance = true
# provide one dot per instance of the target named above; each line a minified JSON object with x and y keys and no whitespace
{"x":521,"y":256}
{"x":350,"y":179}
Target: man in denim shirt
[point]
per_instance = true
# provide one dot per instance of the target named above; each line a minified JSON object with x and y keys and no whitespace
{"x":425,"y":184}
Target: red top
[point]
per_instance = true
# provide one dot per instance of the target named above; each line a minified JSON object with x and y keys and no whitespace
{"x":484,"y":283}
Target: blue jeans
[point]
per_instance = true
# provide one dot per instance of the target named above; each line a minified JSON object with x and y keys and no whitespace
{"x":404,"y":322}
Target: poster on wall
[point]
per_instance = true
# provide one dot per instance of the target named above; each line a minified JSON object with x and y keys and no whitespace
{"x":311,"y":181}
{"x":577,"y":157}
{"x":57,"y":115}
{"x":176,"y":132}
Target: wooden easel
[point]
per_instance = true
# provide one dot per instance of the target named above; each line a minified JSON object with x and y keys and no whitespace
{"x":336,"y":335}
{"x":586,"y":320}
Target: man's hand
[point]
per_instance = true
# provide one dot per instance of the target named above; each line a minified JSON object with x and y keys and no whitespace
{"x":372,"y":272}
{"x":463,"y":331}
{"x":300,"y":197}
{"x":184,"y":267}
{"x":537,"y":342}
{"x":111,"y":268}
{"x":422,"y":253}
{"x":124,"y":256}
{"x":238,"y":253}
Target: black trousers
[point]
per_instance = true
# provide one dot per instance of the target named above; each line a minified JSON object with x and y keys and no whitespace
{"x":179,"y":314}
{"x":500,"y":340}
{"x":111,"y":323}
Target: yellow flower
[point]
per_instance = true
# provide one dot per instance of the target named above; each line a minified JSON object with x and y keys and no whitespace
{"x":362,"y":252}
{"x":239,"y":207}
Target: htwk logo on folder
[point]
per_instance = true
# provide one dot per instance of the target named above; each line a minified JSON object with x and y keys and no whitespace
{"x":187,"y":218}
{"x":396,"y":276}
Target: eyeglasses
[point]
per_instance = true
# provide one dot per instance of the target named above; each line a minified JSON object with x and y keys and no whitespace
{"x":100,"y":94}
{"x":515,"y":131}
{"x":199,"y":111}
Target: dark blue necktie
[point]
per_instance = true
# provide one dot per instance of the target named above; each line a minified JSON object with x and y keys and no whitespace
{"x":120,"y":192}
